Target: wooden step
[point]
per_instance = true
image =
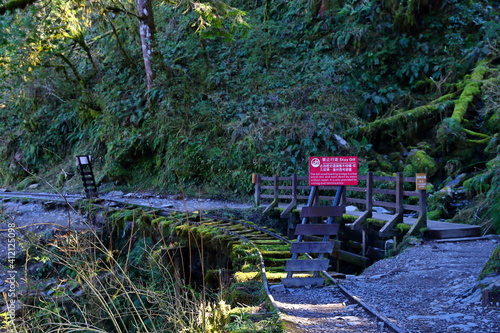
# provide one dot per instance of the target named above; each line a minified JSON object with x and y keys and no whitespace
{"x":307,"y":265}
{"x":302,"y":282}
{"x":317,"y":229}
{"x":312,"y":247}
{"x":322,"y":211}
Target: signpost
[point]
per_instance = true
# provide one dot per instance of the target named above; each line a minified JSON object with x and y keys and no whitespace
{"x":84,"y":162}
{"x":333,"y":170}
{"x":421,"y":181}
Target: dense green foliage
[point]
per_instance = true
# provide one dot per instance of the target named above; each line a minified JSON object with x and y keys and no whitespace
{"x":229,"y":99}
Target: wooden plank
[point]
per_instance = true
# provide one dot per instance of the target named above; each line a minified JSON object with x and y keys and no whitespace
{"x":356,"y":189}
{"x":474,"y":231}
{"x":384,"y":191}
{"x":358,"y":223}
{"x":302,"y":282}
{"x":386,"y":230}
{"x":384,"y":178}
{"x":322,"y":211}
{"x":312,"y":247}
{"x":326,"y":198}
{"x":411,"y":207}
{"x":356,"y":200}
{"x":317,"y":229}
{"x":307,"y":265}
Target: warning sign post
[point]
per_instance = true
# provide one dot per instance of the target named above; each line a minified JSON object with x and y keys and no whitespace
{"x":333,"y":171}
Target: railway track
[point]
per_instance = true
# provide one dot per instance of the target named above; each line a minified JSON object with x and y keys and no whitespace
{"x":271,"y":251}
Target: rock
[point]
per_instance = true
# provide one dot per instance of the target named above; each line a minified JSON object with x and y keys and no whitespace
{"x":33,"y":186}
{"x":381,"y":210}
{"x":351,"y":209}
{"x":277,"y":288}
{"x":167,"y":206}
{"x":115,"y":194}
{"x":457,"y":181}
{"x":419,"y":162}
{"x":49,"y":205}
{"x":4,"y":190}
{"x":99,"y":219}
{"x":341,"y":141}
{"x":465,"y":328}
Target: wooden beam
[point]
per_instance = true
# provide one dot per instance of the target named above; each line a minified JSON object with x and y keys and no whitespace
{"x":307,"y":265}
{"x":292,"y":204}
{"x":312,"y":247}
{"x":302,"y":282}
{"x":358,"y":223}
{"x":322,"y":211}
{"x":386,"y":230}
{"x":317,"y":229}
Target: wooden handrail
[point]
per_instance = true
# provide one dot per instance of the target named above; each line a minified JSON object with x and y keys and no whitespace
{"x":288,"y":188}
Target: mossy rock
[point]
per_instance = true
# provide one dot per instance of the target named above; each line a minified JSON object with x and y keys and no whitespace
{"x":248,"y":293}
{"x":434,"y":214}
{"x":25,"y":183}
{"x":419,"y":162}
{"x":493,"y":123}
{"x":492,"y":267}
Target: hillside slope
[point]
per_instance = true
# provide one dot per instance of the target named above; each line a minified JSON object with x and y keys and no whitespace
{"x":408,"y":86}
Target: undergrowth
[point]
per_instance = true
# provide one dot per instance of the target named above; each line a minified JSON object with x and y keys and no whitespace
{"x":129,"y":277}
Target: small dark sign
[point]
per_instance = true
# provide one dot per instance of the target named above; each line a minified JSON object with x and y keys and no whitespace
{"x":421,"y":181}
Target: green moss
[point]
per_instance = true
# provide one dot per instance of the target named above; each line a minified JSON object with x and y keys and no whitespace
{"x":492,"y":267}
{"x":493,"y":123}
{"x":248,"y":293}
{"x":25,"y":183}
{"x":375,"y":222}
{"x":247,"y":276}
{"x":435,"y":214}
{"x":420,"y":162}
{"x":470,"y":91}
{"x":403,"y":227}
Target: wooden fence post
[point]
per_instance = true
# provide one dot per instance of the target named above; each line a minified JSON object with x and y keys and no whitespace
{"x":276,"y":188}
{"x":399,"y":193}
{"x":422,"y":204}
{"x":369,"y":191}
{"x":294,"y":188}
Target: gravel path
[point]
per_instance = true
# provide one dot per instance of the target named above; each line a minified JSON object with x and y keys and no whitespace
{"x":324,"y":309}
{"x":428,"y":288}
{"x":431,"y":288}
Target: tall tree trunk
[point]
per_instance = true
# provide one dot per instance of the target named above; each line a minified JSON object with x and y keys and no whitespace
{"x":147,"y":32}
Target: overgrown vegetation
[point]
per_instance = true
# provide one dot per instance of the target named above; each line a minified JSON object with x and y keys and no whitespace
{"x":138,"y":274}
{"x":370,"y":78}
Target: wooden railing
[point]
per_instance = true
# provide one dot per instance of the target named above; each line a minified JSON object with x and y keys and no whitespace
{"x":376,"y":189}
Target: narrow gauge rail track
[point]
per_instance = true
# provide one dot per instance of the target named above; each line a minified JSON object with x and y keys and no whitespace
{"x":272,"y":248}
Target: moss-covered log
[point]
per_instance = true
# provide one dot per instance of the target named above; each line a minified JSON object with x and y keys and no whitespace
{"x":471,"y":90}
{"x":392,"y":126}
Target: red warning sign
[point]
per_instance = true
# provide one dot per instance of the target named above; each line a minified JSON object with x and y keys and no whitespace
{"x":329,"y":170}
